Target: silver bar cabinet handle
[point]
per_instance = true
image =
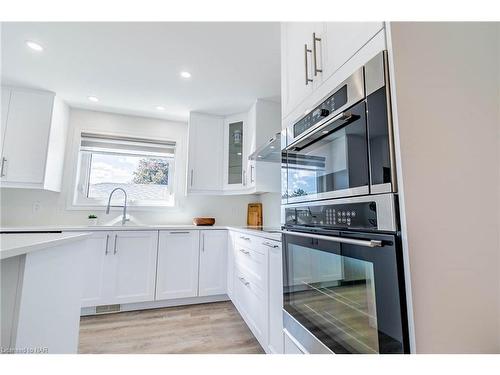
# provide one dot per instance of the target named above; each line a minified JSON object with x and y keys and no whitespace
{"x":107,"y":242}
{"x":315,"y":57}
{"x":2,"y":174}
{"x":178,"y":232}
{"x":114,"y":249}
{"x":246,"y":252}
{"x":306,"y":51}
{"x":270,"y":245}
{"x":350,"y":241}
{"x":191,"y":177}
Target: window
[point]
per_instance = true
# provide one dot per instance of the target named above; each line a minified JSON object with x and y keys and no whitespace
{"x":143,"y":168}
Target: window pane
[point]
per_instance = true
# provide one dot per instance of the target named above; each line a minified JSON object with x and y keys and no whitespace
{"x":143,"y":178}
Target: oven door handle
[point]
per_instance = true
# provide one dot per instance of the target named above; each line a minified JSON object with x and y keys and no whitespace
{"x":303,"y":140}
{"x":350,"y":241}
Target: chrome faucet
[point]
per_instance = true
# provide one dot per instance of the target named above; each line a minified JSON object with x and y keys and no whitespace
{"x":124,"y":218}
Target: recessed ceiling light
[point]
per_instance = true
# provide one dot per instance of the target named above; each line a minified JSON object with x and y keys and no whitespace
{"x":34,"y":46}
{"x":185,"y":74}
{"x":259,"y":156}
{"x":93,"y":99}
{"x":160,"y":108}
{"x":238,"y":153}
{"x":325,"y":132}
{"x":272,"y":147}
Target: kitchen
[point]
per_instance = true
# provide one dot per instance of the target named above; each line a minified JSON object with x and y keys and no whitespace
{"x":298,"y":189}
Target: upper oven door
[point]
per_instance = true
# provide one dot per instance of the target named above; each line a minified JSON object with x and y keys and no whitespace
{"x":347,"y":292}
{"x":332,"y":161}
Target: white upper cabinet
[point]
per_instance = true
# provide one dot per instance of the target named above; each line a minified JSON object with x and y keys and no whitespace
{"x":34,"y":129}
{"x":205,"y":157}
{"x":5,"y":112}
{"x":236,"y":147}
{"x":296,"y":62}
{"x":219,"y":150}
{"x":341,"y":40}
{"x":213,"y":262}
{"x":178,"y":258}
{"x":312,"y":52}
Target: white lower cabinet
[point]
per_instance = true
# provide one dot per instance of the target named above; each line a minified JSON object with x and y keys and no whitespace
{"x":121,"y":268}
{"x":178,"y":261}
{"x":230,"y":263}
{"x":135,"y":266}
{"x":213,"y":262}
{"x":252,"y":303}
{"x":257,"y":292}
{"x":97,"y":265}
{"x":131,"y":266}
{"x":275,"y":340}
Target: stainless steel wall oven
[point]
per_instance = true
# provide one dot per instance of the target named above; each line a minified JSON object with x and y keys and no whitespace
{"x":343,"y":277}
{"x":344,"y":146}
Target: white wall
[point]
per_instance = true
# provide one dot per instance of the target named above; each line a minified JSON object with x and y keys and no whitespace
{"x":17,"y":204}
{"x":447,"y":91}
{"x":271,"y":209}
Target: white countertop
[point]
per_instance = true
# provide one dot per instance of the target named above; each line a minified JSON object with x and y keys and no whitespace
{"x":269,"y":233}
{"x":14,"y":244}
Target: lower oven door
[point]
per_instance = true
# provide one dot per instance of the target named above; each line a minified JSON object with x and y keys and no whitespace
{"x":346,"y":291}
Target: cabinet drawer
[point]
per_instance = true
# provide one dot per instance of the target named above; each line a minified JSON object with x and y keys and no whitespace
{"x":251,"y":260}
{"x":252,"y":282}
{"x":246,"y":240}
{"x":251,"y":302}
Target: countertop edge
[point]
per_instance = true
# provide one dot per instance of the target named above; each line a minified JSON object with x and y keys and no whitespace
{"x":41,"y":245}
{"x":40,"y":229}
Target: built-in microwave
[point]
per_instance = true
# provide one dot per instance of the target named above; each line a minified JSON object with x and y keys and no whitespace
{"x":344,"y":146}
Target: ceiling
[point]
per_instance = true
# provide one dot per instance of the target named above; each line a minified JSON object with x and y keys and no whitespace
{"x":134,"y":67}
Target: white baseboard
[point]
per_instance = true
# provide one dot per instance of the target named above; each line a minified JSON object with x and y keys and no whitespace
{"x":85,"y":311}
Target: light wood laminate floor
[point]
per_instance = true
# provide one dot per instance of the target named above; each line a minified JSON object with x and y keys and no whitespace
{"x":215,"y":328}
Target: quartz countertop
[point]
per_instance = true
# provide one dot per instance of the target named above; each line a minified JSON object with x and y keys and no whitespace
{"x":272,"y":233}
{"x":14,"y":244}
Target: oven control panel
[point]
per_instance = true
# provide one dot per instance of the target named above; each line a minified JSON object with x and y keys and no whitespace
{"x":349,"y":215}
{"x":328,"y":106}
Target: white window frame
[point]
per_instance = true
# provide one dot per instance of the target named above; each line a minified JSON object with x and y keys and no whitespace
{"x":80,"y":201}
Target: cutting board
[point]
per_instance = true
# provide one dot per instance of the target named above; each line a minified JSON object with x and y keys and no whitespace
{"x":254,"y":215}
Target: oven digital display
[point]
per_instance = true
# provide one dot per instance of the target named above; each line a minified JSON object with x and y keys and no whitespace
{"x":331,"y":104}
{"x":349,"y":215}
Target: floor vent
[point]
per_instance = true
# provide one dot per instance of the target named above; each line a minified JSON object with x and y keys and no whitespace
{"x":107,"y":309}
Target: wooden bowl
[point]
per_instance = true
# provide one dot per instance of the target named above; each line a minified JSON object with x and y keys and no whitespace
{"x":204,"y":221}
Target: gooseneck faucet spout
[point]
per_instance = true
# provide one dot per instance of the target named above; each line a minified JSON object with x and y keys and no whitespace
{"x":124,"y":218}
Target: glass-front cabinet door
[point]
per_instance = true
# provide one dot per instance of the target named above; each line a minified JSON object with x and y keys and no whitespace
{"x":235,"y":153}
